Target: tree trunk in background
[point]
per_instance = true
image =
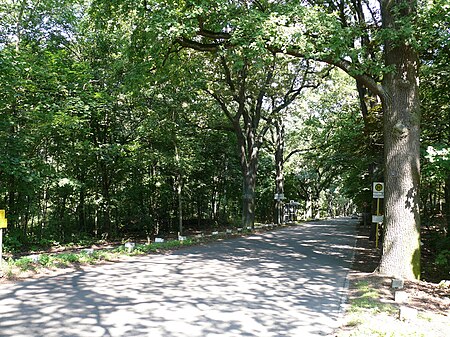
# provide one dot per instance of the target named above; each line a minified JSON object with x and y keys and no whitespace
{"x":401,"y":245}
{"x":26,"y":216}
{"x":12,"y":202}
{"x":179,"y":188}
{"x":81,"y":210}
{"x":106,"y":205}
{"x":178,"y":176}
{"x":248,"y":198}
{"x":368,"y":102}
{"x":447,"y":203}
{"x":279,"y":163}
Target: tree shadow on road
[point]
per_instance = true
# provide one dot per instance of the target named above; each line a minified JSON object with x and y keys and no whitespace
{"x":285,"y":283}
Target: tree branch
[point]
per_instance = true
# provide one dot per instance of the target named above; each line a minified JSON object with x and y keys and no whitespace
{"x":209,"y":33}
{"x":298,"y":151}
{"x":263,"y":91}
{"x":222,"y":104}
{"x":213,"y":35}
{"x":227,"y":71}
{"x":199,"y":46}
{"x":344,"y":65}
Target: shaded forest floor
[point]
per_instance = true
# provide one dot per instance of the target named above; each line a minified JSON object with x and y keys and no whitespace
{"x":371,"y":309}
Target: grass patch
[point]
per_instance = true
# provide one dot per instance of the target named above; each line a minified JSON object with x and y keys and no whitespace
{"x":371,"y":313}
{"x":13,"y":268}
{"x":68,"y":257}
{"x":24,"y":264}
{"x":369,"y":299}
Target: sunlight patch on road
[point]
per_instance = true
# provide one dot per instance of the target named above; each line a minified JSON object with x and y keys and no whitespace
{"x":269,"y":285}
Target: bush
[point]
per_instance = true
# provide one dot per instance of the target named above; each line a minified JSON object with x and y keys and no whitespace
{"x":45,"y":260}
{"x":70,"y":257}
{"x":442,"y":246}
{"x":443,"y":258}
{"x":442,"y":243}
{"x":45,"y":243}
{"x":11,"y":244}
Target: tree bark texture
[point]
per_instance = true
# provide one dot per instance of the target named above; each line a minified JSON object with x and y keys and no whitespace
{"x":248,"y":199}
{"x":401,"y":245}
{"x":279,"y":166}
{"x":447,"y":202}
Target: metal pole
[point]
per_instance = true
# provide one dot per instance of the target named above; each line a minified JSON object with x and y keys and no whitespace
{"x":278,"y":212}
{"x":376,"y":236}
{"x":378,"y":213}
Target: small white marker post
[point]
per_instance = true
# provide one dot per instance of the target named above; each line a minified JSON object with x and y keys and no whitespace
{"x":3,"y":224}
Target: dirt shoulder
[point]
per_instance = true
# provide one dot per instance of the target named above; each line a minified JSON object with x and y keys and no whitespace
{"x":372,"y":310}
{"x":105,"y":252}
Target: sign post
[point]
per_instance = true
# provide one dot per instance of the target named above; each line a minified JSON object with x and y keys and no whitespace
{"x":378,"y":193}
{"x":279,"y":197}
{"x":3,"y":224}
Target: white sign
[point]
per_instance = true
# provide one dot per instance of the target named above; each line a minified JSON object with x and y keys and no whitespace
{"x":279,"y":196}
{"x":377,"y":218}
{"x":378,"y":190}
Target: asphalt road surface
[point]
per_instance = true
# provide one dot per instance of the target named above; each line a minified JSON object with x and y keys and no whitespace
{"x":288,"y":282}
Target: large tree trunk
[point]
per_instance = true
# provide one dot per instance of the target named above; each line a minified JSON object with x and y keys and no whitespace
{"x":248,"y":198}
{"x":401,"y":245}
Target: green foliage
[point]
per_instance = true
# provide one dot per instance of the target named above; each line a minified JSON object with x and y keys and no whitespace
{"x":104,"y":112}
{"x":333,"y":158}
{"x":25,"y":263}
{"x":68,"y":258}
{"x":46,"y":260}
{"x":435,"y":89}
{"x":442,"y":247}
{"x":11,"y":244}
{"x":443,"y":258}
{"x":88,"y":139}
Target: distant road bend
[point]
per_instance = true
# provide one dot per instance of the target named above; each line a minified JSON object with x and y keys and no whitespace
{"x":289,"y":282}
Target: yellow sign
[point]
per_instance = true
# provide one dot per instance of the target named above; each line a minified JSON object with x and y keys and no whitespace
{"x":378,"y":190}
{"x":3,"y":221}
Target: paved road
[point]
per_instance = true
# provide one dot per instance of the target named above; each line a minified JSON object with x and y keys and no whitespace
{"x":288,"y":282}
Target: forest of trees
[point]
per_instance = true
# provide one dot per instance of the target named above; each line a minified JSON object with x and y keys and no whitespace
{"x":135,"y":118}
